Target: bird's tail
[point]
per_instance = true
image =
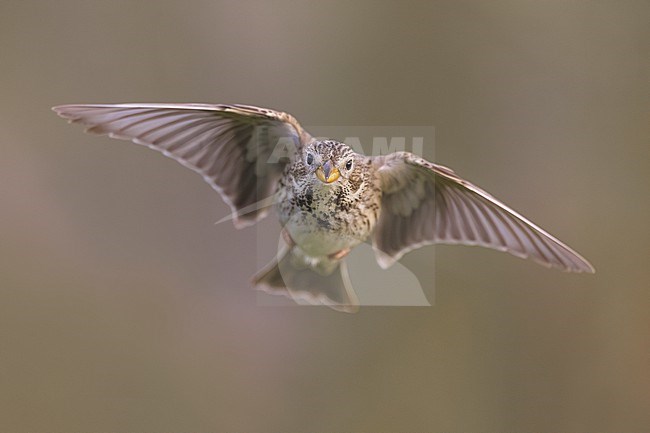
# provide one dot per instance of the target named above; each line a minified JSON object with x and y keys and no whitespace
{"x":290,"y":275}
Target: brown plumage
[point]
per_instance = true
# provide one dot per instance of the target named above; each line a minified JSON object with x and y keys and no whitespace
{"x":328,"y":198}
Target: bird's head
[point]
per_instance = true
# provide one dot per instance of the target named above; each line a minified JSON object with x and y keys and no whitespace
{"x":329,"y":161}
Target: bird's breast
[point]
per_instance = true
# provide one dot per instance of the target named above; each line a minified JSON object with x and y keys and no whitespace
{"x":324,"y":221}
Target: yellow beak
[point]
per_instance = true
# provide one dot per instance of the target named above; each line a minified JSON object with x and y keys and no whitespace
{"x":326,"y":173}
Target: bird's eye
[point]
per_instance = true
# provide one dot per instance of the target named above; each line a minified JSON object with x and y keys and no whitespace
{"x":348,"y":165}
{"x":310,"y":159}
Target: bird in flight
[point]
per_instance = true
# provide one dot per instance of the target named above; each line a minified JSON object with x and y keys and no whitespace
{"x":328,"y":198}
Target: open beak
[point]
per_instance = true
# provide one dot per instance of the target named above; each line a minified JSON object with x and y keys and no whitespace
{"x":326,"y":173}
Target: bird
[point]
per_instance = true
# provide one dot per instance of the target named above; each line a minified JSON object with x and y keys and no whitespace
{"x":328,"y":198}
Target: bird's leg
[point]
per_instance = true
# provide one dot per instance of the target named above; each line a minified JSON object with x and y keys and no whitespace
{"x":287,"y":238}
{"x":339,"y":254}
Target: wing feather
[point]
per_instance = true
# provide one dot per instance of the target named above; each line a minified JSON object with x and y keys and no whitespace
{"x":229,"y":145}
{"x":454,"y":211}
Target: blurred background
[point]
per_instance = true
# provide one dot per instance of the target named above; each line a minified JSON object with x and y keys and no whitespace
{"x":123,"y":308}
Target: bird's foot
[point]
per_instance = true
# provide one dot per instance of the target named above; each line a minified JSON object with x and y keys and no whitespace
{"x":287,"y":238}
{"x":339,"y":254}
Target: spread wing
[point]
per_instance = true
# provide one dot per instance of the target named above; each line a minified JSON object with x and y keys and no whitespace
{"x":425,"y":203}
{"x":231,"y":146}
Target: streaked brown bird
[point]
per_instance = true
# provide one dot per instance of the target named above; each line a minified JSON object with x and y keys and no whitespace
{"x":329,"y":198}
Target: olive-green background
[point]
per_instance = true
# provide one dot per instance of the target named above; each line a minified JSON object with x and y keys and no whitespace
{"x":124,"y":309}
